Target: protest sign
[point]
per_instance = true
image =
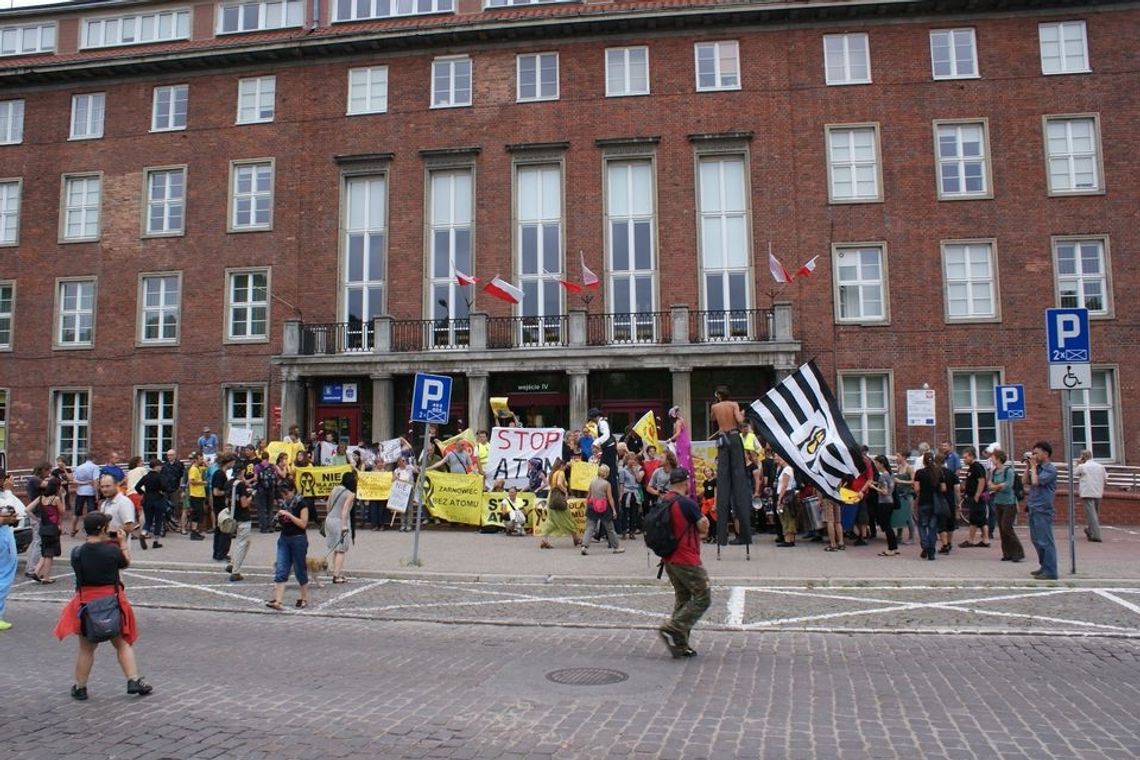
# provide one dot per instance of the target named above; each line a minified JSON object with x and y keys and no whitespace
{"x":390,"y":450}
{"x":318,"y":482}
{"x":276,"y":448}
{"x":399,"y":496}
{"x":512,"y":448}
{"x":493,"y":506}
{"x":373,"y":486}
{"x":646,"y":428}
{"x":581,"y":474}
{"x":704,"y":456}
{"x":455,"y":497}
{"x":239,"y":437}
{"x":577,"y":508}
{"x":325,"y":452}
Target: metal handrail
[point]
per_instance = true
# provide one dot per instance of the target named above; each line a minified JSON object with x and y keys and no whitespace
{"x":336,"y":338}
{"x":628,"y":328}
{"x":730,"y":325}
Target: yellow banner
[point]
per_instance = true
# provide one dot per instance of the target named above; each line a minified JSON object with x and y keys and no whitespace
{"x":274,"y":448}
{"x":500,"y":407}
{"x":495,"y":507}
{"x":455,"y":497}
{"x":577,"y":508}
{"x":581,"y":473}
{"x":319,"y":482}
{"x":373,"y":486}
{"x":646,"y":427}
{"x":704,"y":457}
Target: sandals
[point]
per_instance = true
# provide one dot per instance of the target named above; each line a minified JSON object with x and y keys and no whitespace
{"x":831,"y":548}
{"x":273,"y":604}
{"x":545,"y":545}
{"x":339,"y":579}
{"x":302,"y":604}
{"x":889,"y":554}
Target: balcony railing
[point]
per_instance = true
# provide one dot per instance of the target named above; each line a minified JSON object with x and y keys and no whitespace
{"x":642,"y":327}
{"x":730,"y":326}
{"x":336,"y":338}
{"x":410,"y":335}
{"x":526,"y":332}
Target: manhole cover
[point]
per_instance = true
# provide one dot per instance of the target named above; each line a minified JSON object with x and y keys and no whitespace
{"x":586,"y":676}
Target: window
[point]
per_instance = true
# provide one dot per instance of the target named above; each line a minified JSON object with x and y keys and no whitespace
{"x":7,"y":301}
{"x":1082,"y":275}
{"x":971,"y":291}
{"x":866,"y":410}
{"x":25,"y":40}
{"x":87,"y":116}
{"x":1074,"y":160}
{"x":962,"y":165}
{"x":368,"y":90}
{"x":245,"y":410}
{"x":847,"y":59}
{"x":1094,"y":416}
{"x":853,"y":163}
{"x":10,"y":192}
{"x":537,"y":76}
{"x":953,"y":54}
{"x":252,"y":207}
{"x":630,"y":223}
{"x":159,"y":308}
{"x":451,"y":82}
{"x":365,"y":250}
{"x":136,"y":29}
{"x":718,"y":65}
{"x":81,"y":203}
{"x":860,"y":284}
{"x":170,"y":106}
{"x":725,"y":250}
{"x":75,"y":326}
{"x":355,"y":10}
{"x":451,"y":224}
{"x":155,"y":415}
{"x":4,"y":426}
{"x":72,"y":412}
{"x":538,"y":198}
{"x":627,"y":71}
{"x":11,"y":122}
{"x":256,"y":100}
{"x":975,"y":417}
{"x":1064,"y":48}
{"x":165,"y":201}
{"x":255,"y":16}
{"x":247,"y":310}
{"x":505,"y":3}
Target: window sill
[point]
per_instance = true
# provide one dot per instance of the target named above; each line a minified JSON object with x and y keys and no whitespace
{"x":71,"y":241}
{"x":154,"y":131}
{"x":232,"y":341}
{"x":1070,"y":193}
{"x":971,"y":197}
{"x":244,"y":230}
{"x":160,"y":235}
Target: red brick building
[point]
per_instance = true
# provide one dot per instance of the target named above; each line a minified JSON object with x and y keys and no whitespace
{"x":251,"y":214}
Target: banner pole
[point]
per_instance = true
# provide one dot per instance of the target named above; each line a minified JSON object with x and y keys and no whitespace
{"x":417,"y":503}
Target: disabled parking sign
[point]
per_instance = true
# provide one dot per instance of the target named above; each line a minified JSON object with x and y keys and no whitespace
{"x":1068,"y":349}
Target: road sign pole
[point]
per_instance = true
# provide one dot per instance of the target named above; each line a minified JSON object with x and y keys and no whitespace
{"x":1069,"y":445}
{"x":418,"y":497}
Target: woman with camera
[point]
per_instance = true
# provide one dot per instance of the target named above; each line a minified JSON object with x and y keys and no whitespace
{"x":48,"y":507}
{"x":292,"y":546}
{"x":97,"y":563}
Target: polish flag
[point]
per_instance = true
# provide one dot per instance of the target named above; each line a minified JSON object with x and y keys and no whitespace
{"x":589,"y":279}
{"x":465,"y":279}
{"x":779,"y":274}
{"x":571,"y":287}
{"x":503,"y":290}
{"x":807,"y":268}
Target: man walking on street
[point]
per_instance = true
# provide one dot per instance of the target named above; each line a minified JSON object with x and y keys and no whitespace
{"x":689,"y":578}
{"x":733,"y":491}
{"x":1041,"y":477}
{"x":1092,"y":476}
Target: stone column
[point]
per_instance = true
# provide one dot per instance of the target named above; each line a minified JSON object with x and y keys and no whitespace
{"x":292,"y":405}
{"x":683,"y":392}
{"x":579,"y":396}
{"x":577,"y":326}
{"x":291,"y":338}
{"x":478,"y":400}
{"x":478,"y":322}
{"x":679,"y":316}
{"x":781,"y":321}
{"x":383,"y":408}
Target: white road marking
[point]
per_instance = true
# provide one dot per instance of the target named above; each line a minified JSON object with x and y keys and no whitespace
{"x":736,"y":599}
{"x":358,"y":590}
{"x":197,"y":587}
{"x":1114,"y":598}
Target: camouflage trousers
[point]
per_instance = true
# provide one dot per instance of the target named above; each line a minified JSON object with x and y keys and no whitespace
{"x":691,"y":596}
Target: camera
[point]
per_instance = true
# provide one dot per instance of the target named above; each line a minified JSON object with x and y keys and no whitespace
{"x":1027,"y":455}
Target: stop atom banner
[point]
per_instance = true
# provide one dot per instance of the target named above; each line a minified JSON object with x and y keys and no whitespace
{"x":512,"y":448}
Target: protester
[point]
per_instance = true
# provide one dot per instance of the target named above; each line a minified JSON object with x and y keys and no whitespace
{"x":1041,"y":477}
{"x":511,"y":513}
{"x":952,"y":496}
{"x":337,"y":532}
{"x":243,"y":516}
{"x":48,"y":507}
{"x":903,"y":516}
{"x":208,"y":444}
{"x":884,"y":488}
{"x":786,"y":501}
{"x":119,"y":509}
{"x":292,"y":547}
{"x":605,"y":446}
{"x":560,"y":521}
{"x":1004,"y":501}
{"x":173,"y":473}
{"x":196,"y":492}
{"x":690,"y":580}
{"x":154,"y":502}
{"x":9,"y":517}
{"x":97,"y":563}
{"x":85,"y":477}
{"x":708,"y":501}
{"x":733,"y":491}
{"x":629,"y":477}
{"x":218,"y":482}
{"x":831,"y":513}
{"x":265,"y":496}
{"x":600,"y":508}
{"x":930,"y":488}
{"x":1092,"y":477}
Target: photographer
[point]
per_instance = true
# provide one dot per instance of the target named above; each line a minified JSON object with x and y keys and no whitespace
{"x":1041,"y":477}
{"x":292,"y":546}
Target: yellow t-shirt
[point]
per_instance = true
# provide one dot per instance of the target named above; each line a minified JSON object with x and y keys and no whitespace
{"x":196,"y":491}
{"x":752,"y":443}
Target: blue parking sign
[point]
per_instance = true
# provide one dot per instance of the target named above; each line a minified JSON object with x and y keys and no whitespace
{"x":1009,"y":400}
{"x":431,"y":399}
{"x":1067,"y":331}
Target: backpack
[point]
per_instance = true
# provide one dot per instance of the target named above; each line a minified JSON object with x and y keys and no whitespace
{"x":1018,"y":486}
{"x":657,"y":528}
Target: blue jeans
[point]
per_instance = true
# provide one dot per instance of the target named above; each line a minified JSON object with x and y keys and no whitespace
{"x":927,"y":526}
{"x":1041,"y":534}
{"x":291,"y":551}
{"x":7,"y":565}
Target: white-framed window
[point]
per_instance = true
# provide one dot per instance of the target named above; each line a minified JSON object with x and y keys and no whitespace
{"x":717,"y":65}
{"x":627,"y":71}
{"x":358,"y":10}
{"x":970,"y":273}
{"x":71,"y":411}
{"x":860,"y":283}
{"x":75,"y":314}
{"x":7,"y":315}
{"x":27,"y":39}
{"x":82,"y":196}
{"x":11,"y":122}
{"x":367,"y":90}
{"x":259,"y":15}
{"x":155,"y":412}
{"x":1082,"y":271}
{"x":452,"y":221}
{"x":1072,"y":150}
{"x":11,"y":191}
{"x":165,"y":201}
{"x":631,"y":222}
{"x":1094,"y":416}
{"x":538,"y":199}
{"x":537,"y":76}
{"x":252,"y":195}
{"x":365,"y":255}
{"x":135,"y":29}
{"x":247,"y":305}
{"x":257,"y":100}
{"x":722,"y":195}
{"x":954,"y":53}
{"x":87,"y":115}
{"x":506,"y":3}
{"x":853,"y":163}
{"x":974,"y":414}
{"x":160,"y":308}
{"x":866,"y":404}
{"x":171,"y":103}
{"x":847,"y":58}
{"x":1064,"y":47}
{"x":245,"y":410}
{"x":451,"y":82}
{"x":963,"y":165}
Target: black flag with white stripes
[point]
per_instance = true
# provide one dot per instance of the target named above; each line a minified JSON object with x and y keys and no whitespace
{"x":801,"y":419}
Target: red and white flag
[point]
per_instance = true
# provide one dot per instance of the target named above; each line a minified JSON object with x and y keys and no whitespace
{"x":465,"y":279}
{"x":589,"y":279}
{"x":503,"y":290}
{"x":571,"y":287}
{"x":807,"y":268}
{"x":779,"y":274}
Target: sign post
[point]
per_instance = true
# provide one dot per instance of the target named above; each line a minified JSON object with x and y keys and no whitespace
{"x":431,"y":405}
{"x":1009,"y":400}
{"x":1070,"y":369}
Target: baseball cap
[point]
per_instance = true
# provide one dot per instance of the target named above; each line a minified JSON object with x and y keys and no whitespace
{"x":678,"y":475}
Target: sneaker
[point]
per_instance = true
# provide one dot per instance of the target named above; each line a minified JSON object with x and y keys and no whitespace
{"x":79,"y":692}
{"x":1044,"y":577}
{"x":585,"y":550}
{"x":138,"y":686}
{"x":236,"y":577}
{"x":689,"y":652}
{"x":672,"y":641}
{"x":157,"y":545}
{"x":229,"y":568}
{"x":196,"y":536}
{"x":619,"y":550}
{"x":5,"y":625}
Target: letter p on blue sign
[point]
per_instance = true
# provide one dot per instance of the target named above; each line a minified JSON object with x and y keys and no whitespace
{"x":1010,"y":402}
{"x":431,"y":399}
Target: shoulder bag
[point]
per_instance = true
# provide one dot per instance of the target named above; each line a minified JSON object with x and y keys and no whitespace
{"x":101,"y":619}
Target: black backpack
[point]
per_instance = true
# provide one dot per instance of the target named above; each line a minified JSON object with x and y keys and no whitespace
{"x":657,"y":527}
{"x":1018,"y":486}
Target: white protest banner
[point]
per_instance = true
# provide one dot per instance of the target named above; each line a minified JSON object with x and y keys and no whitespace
{"x":390,"y":450}
{"x":239,"y":437}
{"x":512,"y":448}
{"x":326,"y":452}
{"x":400,"y":496}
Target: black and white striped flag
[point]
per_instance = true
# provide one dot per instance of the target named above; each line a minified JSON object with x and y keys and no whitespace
{"x":801,"y":420}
